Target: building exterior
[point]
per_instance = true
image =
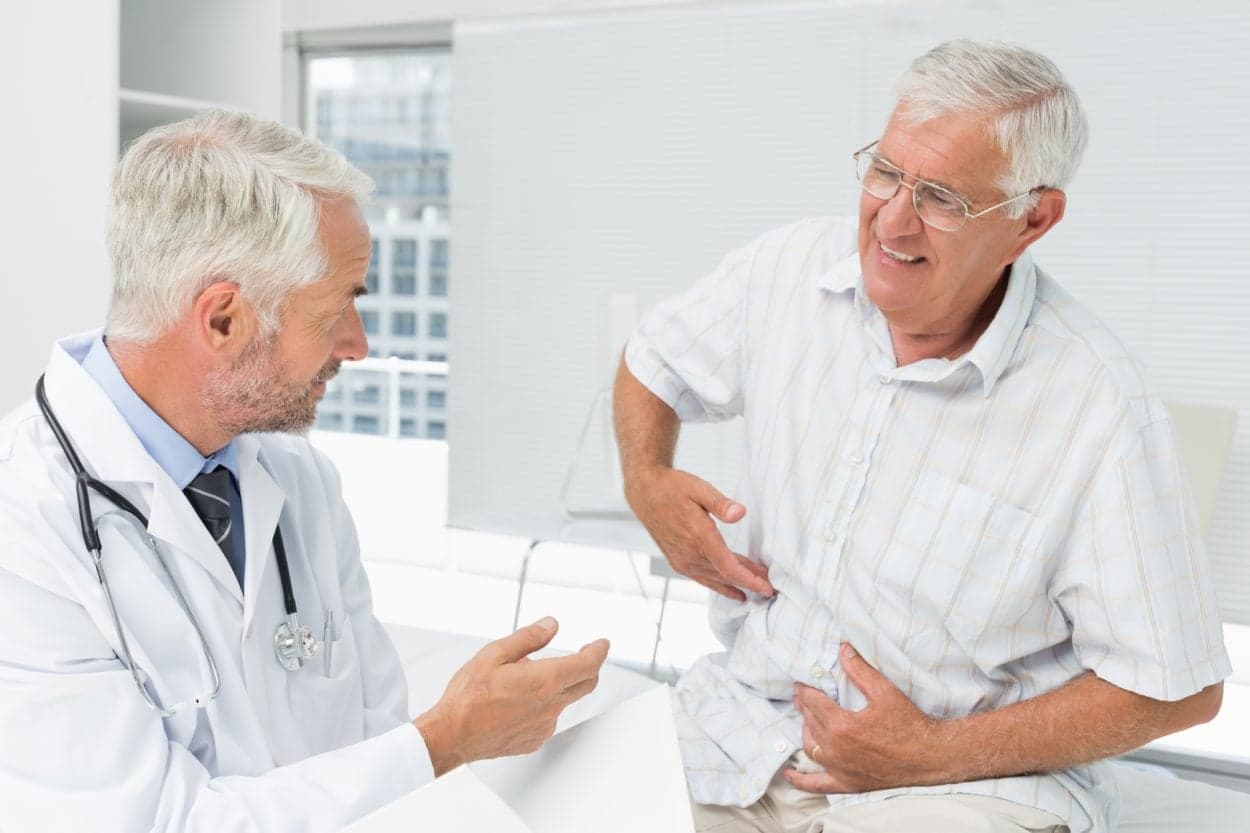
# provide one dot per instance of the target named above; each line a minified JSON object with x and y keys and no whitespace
{"x":389,"y":113}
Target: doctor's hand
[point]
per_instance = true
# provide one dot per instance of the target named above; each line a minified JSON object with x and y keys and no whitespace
{"x":676,"y":508}
{"x":504,"y":703}
{"x":889,"y":743}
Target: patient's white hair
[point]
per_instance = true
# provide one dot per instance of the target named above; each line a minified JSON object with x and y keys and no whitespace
{"x":1031,"y":111}
{"x":219,"y":196}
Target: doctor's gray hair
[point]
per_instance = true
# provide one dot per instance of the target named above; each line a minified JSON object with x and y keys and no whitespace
{"x":219,"y":196}
{"x":1031,"y":111}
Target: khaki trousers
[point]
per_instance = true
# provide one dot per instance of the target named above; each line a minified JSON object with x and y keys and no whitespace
{"x":785,"y":809}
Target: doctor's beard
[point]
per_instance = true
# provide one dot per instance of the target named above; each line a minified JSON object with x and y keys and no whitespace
{"x":256,"y":393}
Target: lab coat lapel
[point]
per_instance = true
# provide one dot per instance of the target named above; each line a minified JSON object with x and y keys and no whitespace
{"x":100,"y":435}
{"x":263,"y":499}
{"x":174,"y":522}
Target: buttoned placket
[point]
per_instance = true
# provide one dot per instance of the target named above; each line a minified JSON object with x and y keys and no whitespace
{"x":875,"y":393}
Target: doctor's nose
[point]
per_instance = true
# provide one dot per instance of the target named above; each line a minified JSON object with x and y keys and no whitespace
{"x":351,"y":343}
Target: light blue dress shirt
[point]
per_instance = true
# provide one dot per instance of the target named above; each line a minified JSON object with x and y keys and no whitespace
{"x":180,"y":460}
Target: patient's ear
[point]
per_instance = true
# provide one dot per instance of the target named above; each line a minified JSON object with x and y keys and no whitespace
{"x":1051,"y":203}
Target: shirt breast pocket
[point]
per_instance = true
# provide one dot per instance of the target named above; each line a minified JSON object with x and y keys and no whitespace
{"x":966,"y":560}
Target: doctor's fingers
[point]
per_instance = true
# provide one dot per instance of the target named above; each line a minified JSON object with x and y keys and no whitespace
{"x":562,"y":673}
{"x":520,"y":644}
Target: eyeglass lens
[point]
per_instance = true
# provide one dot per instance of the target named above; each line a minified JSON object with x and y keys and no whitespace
{"x":935,"y":205}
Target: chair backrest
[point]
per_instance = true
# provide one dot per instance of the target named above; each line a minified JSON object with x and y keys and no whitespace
{"x":1204,"y":437}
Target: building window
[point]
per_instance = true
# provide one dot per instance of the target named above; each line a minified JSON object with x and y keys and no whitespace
{"x":407,"y":427}
{"x":438,"y":325}
{"x":436,"y":430}
{"x":369,"y":319}
{"x":367,"y":395}
{"x":371,"y":276}
{"x":330,"y":421}
{"x":408,"y":398}
{"x":438,"y":284}
{"x":403,"y":323}
{"x":438,"y":254}
{"x":405,"y":283}
{"x":436,"y":399}
{"x":366,"y":424}
{"x":405,"y":253}
{"x":436,"y":357}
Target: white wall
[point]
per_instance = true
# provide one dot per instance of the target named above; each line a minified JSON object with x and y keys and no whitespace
{"x":58,"y":82}
{"x":224,"y":51}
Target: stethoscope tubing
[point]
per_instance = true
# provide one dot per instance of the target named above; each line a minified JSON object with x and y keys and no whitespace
{"x":83,"y":486}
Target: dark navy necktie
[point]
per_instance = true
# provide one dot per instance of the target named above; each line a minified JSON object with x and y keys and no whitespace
{"x":209,"y":494}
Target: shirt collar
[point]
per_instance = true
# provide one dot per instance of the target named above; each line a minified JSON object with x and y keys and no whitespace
{"x":171,"y":451}
{"x":992,"y":351}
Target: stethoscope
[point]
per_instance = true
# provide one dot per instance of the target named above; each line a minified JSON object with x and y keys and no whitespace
{"x":293,"y":643}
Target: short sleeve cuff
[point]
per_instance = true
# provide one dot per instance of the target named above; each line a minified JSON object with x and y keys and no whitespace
{"x":1159,"y":683}
{"x":651,"y":371}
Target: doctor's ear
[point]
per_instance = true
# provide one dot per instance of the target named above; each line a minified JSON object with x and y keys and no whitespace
{"x":223,"y":317}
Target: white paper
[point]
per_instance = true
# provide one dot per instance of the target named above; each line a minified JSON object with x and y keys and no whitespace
{"x":619,"y":772}
{"x":456,"y":803}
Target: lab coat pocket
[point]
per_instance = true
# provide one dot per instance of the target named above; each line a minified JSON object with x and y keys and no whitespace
{"x":967,"y":560}
{"x":329,"y":692}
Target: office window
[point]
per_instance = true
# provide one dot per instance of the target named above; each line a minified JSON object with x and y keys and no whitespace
{"x":438,"y":325}
{"x":403,"y":323}
{"x":367,"y":395}
{"x":436,"y":399}
{"x":436,"y":357}
{"x":407,"y":397}
{"x":407,"y":427}
{"x":436,"y":430}
{"x":330,"y":421}
{"x":389,"y":112}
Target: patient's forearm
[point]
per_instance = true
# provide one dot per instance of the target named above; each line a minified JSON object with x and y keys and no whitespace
{"x":646,"y":428}
{"x":1086,"y":720}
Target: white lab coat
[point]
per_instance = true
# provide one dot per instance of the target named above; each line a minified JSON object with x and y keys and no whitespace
{"x":276,"y":751}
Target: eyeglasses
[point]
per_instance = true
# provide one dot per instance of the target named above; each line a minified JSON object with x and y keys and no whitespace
{"x":935,"y":205}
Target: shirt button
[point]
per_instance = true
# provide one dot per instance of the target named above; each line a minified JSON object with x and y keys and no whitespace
{"x":857,"y":457}
{"x":885,"y":380}
{"x":781,"y":746}
{"x":817,"y":671}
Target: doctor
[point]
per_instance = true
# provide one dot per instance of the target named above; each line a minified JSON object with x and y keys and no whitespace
{"x":222,"y":668}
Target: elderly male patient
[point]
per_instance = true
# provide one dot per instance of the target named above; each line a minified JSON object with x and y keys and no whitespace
{"x":966,"y":566}
{"x":175,"y":703}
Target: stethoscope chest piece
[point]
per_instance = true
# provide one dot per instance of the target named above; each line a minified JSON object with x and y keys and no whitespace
{"x":294,"y":644}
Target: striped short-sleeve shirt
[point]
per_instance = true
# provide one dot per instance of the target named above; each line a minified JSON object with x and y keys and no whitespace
{"x":983,"y":530}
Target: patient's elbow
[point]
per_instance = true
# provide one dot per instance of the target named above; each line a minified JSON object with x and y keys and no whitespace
{"x":1211,"y":698}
